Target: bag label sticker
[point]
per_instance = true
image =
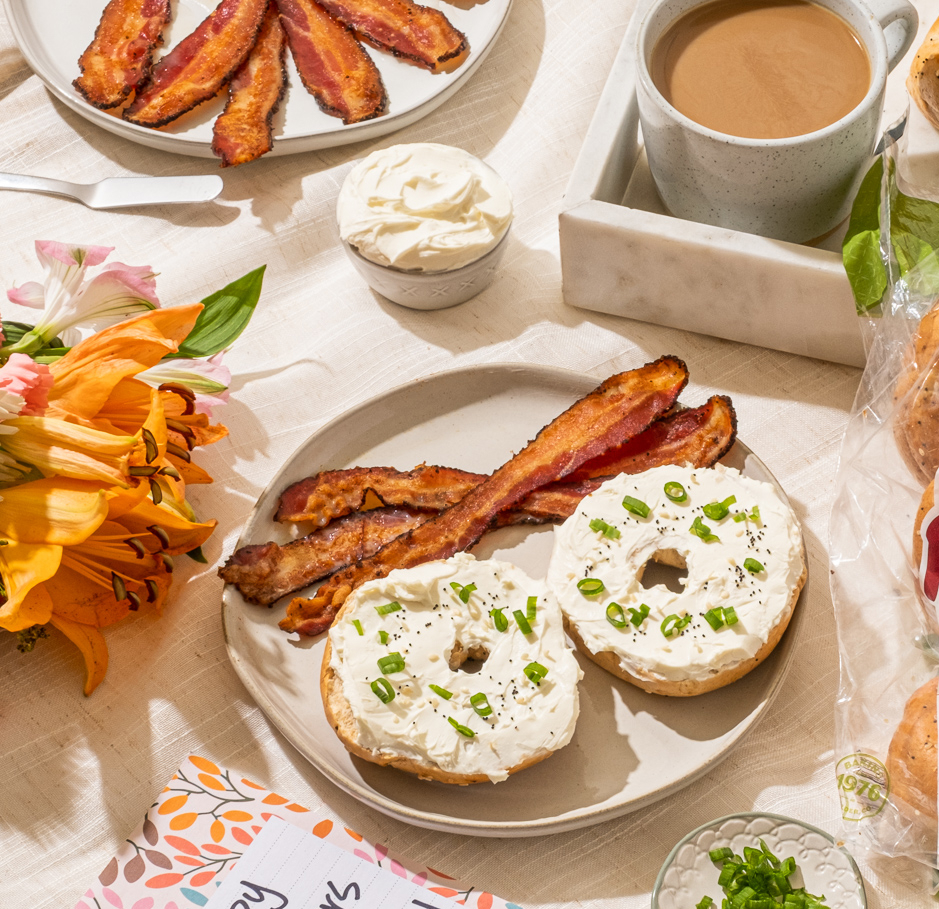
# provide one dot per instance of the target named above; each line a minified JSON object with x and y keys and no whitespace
{"x":863,"y":786}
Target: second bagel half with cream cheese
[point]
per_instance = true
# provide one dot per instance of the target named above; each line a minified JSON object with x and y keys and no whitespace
{"x":741,"y":546}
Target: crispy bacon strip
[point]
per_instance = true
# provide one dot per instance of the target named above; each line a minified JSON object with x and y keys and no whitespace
{"x":121,"y":52}
{"x":684,"y":436}
{"x":622,"y":407}
{"x":266,"y":572}
{"x":697,"y":436}
{"x":332,"y":64}
{"x":197,"y":68}
{"x":244,"y":130}
{"x":407,"y":29}
{"x":333,"y":493}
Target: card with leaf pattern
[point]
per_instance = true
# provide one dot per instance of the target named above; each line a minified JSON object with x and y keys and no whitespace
{"x":200,"y":826}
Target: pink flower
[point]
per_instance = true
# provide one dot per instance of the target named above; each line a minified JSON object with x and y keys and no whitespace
{"x":207,"y":378}
{"x":22,"y":376}
{"x":71,"y":302}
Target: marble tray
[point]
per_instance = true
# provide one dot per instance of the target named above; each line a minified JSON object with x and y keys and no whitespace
{"x":622,"y":253}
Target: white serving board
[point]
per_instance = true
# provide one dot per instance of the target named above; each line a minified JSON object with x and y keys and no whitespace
{"x":622,"y":253}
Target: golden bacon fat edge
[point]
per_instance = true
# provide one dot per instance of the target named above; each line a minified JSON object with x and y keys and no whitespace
{"x":240,"y":49}
{"x":368,"y":521}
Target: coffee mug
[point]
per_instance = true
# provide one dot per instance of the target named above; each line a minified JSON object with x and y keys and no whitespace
{"x":797,"y":188}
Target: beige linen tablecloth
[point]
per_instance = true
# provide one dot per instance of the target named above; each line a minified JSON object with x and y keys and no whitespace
{"x":78,"y":773}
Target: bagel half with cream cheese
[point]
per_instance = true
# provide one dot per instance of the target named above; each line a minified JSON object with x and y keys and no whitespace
{"x":395,"y":683}
{"x":741,"y":546}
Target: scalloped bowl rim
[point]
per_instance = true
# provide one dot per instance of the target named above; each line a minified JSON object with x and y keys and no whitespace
{"x":717,"y":822}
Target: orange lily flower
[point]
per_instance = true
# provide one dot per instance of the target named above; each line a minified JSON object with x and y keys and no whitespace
{"x":103,"y":523}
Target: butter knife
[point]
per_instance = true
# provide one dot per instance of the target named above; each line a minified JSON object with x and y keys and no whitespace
{"x":122,"y":192}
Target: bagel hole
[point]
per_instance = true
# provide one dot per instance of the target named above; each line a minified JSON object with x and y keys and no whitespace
{"x":667,"y":568}
{"x":469,"y":660}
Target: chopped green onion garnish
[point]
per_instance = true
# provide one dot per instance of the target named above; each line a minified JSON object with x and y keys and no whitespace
{"x":480,"y":703}
{"x":463,"y":730}
{"x":393,"y":606}
{"x":718,"y":855}
{"x":358,"y":626}
{"x":636,"y":506}
{"x":499,"y":620}
{"x":383,"y":690}
{"x":676,"y":492}
{"x":463,"y":591}
{"x":531,"y":609}
{"x":730,"y":615}
{"x":394,"y":662}
{"x":751,"y":855}
{"x":521,"y":621}
{"x":615,"y":615}
{"x":714,"y":618}
{"x":706,"y":903}
{"x":717,"y":511}
{"x":754,"y":515}
{"x":753,"y":566}
{"x":638,"y":616}
{"x":590,"y":587}
{"x":672,"y":623}
{"x":608,"y":530}
{"x":382,"y":636}
{"x":446,"y":695}
{"x":700,"y":529}
{"x":535,"y":672}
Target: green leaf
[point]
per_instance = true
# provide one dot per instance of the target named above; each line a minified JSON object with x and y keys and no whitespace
{"x":197,"y":555}
{"x":226,"y":314}
{"x":861,"y":247}
{"x":20,"y":334}
{"x":14,"y":331}
{"x":914,"y":239}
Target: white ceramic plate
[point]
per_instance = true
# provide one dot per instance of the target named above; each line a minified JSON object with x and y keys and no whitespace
{"x":53,"y":34}
{"x":630,"y":748}
{"x":824,"y":868}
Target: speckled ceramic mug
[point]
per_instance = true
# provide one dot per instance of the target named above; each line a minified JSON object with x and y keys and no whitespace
{"x":798,"y":188}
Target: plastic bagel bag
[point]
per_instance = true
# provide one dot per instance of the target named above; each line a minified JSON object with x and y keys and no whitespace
{"x":884,"y":599}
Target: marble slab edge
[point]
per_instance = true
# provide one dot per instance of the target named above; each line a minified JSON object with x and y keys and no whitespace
{"x":667,"y":271}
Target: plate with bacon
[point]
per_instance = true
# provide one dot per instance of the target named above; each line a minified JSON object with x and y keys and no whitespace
{"x":447,"y":461}
{"x":243,"y":78}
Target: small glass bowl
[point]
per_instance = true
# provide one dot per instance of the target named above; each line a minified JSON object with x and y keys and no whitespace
{"x":429,"y":289}
{"x":824,"y":868}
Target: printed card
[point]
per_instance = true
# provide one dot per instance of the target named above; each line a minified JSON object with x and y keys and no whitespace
{"x":286,"y":868}
{"x":203,"y":825}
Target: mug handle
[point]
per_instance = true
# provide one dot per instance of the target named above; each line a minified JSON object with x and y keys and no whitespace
{"x":905,"y":20}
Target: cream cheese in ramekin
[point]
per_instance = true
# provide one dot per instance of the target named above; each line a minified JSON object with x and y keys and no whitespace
{"x":766,"y":531}
{"x":529,"y":718}
{"x":424,"y":207}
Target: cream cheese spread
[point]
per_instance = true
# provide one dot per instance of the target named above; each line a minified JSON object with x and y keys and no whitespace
{"x":530,"y":717}
{"x":424,"y":207}
{"x":742,"y":570}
